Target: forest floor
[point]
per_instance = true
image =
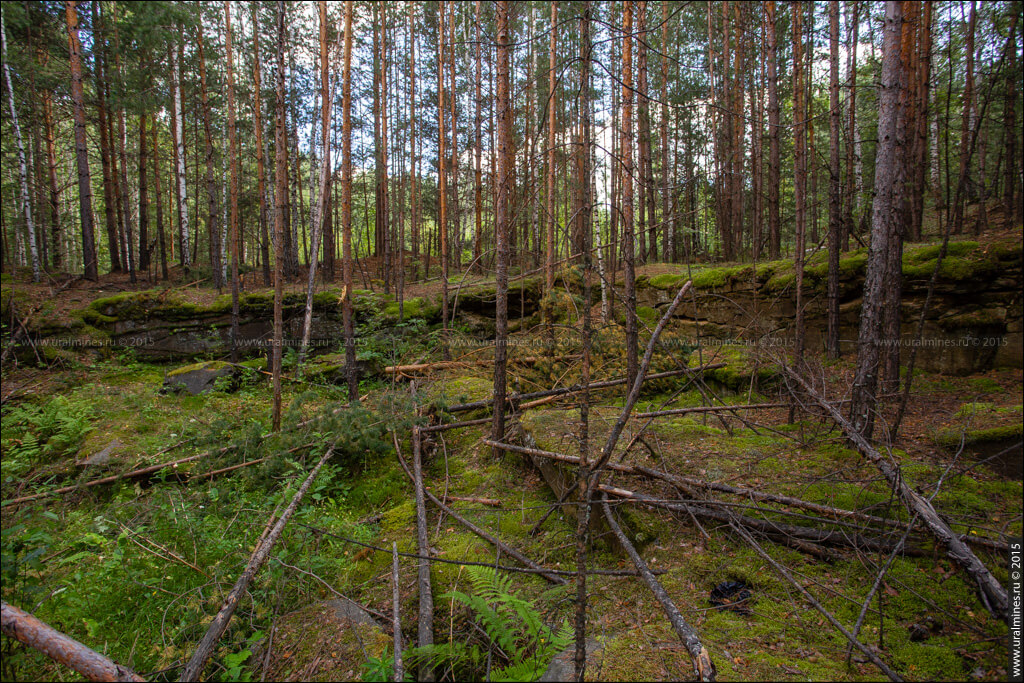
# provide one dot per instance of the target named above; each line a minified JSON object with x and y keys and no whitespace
{"x":137,"y":568}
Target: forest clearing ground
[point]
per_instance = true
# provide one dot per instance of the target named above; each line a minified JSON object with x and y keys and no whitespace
{"x":79,"y":541}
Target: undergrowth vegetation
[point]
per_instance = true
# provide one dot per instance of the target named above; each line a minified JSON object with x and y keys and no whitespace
{"x":138,"y":567}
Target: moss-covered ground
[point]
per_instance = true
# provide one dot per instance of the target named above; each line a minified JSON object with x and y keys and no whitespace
{"x":138,"y":568}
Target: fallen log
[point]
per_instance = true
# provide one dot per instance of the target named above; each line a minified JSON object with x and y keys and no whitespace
{"x":789,"y":534}
{"x":703,"y":667}
{"x":492,"y":502}
{"x":689,"y":483}
{"x":457,"y":425}
{"x":710,"y":409}
{"x":426,"y":617}
{"x":223,"y":470}
{"x":529,"y":396}
{"x":505,"y":548}
{"x":992,"y":593}
{"x":195,"y":665}
{"x":108,"y":480}
{"x":449,"y":364}
{"x":33,"y":632}
{"x":817,"y":605}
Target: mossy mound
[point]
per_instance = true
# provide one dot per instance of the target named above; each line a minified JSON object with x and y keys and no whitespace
{"x":742,"y":367}
{"x":977,"y":423}
{"x":416,"y":307}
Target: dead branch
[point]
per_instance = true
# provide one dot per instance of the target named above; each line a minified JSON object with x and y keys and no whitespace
{"x":426,"y":617}
{"x":396,"y":622}
{"x":703,"y":667}
{"x":219,"y":624}
{"x":486,"y":403}
{"x":223,"y":470}
{"x":505,"y":548}
{"x":456,"y":425}
{"x":710,"y":409}
{"x":107,"y":480}
{"x":992,"y":593}
{"x":27,"y":629}
{"x":492,"y":502}
{"x":789,"y":534}
{"x":817,"y":605}
{"x":450,"y":364}
{"x":634,"y":392}
{"x":688,"y":484}
{"x":170,"y":554}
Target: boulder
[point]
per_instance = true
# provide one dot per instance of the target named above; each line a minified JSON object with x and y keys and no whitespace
{"x":198,"y":378}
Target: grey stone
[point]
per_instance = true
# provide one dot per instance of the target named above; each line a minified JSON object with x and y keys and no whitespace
{"x":102,"y":457}
{"x":563,"y":668}
{"x":346,"y":609}
{"x":197,"y":378}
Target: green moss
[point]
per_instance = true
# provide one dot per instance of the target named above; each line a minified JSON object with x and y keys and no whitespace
{"x":717,"y":277}
{"x":460,"y":389}
{"x":963,"y":261}
{"x":212,"y":365}
{"x":741,"y":367}
{"x":647,"y":313}
{"x":981,"y":422}
{"x":668,"y":281}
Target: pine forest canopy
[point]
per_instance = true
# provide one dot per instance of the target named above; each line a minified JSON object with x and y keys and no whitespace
{"x":713,"y":141}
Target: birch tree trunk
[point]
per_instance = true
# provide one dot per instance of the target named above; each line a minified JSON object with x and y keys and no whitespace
{"x":26,"y":203}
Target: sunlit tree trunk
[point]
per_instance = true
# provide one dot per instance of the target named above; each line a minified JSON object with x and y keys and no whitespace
{"x":178,"y":144}
{"x":351,"y":377}
{"x":26,"y":202}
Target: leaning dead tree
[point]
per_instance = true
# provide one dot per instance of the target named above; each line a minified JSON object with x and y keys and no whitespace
{"x":990,"y":591}
{"x":27,"y":629}
{"x":703,"y":667}
{"x":220,"y":623}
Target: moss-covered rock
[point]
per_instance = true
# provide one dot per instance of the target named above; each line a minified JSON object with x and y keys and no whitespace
{"x":199,"y":378}
{"x":977,"y":423}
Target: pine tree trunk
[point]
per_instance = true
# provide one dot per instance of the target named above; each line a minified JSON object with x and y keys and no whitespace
{"x":834,"y":205}
{"x":128,"y":252}
{"x":280,"y":210}
{"x":159,"y":203}
{"x":143,"y":198}
{"x":109,"y":204}
{"x":346,"y":211}
{"x":233,"y":160}
{"x":81,"y":145}
{"x":626,"y":153}
{"x":442,"y":187}
{"x":502,"y":217}
{"x":889,"y":172}
{"x":53,"y":203}
{"x":967,"y":124}
{"x":774,"y":154}
{"x":257,"y":113}
{"x":799,"y":171}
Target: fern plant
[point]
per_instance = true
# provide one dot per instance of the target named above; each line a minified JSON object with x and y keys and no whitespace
{"x":525,"y":644}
